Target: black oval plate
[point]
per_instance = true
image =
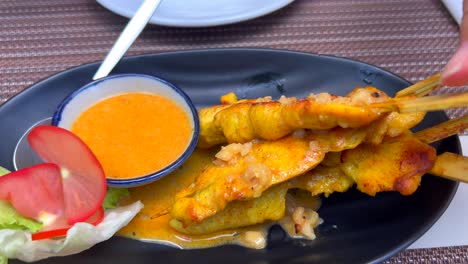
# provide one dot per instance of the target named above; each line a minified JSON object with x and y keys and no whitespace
{"x":357,"y":228}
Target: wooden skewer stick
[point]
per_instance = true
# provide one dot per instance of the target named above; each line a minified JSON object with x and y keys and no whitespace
{"x":405,"y":101}
{"x":443,"y":130}
{"x":423,"y":104}
{"x":451,"y":166}
{"x":448,"y":165}
{"x":421,"y":88}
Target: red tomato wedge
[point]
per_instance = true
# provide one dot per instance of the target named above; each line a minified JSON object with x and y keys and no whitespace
{"x":84,"y":182}
{"x":34,"y":191}
{"x":96,"y":219}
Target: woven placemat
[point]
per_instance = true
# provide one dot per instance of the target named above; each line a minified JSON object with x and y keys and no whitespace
{"x":412,"y":38}
{"x":444,"y":255}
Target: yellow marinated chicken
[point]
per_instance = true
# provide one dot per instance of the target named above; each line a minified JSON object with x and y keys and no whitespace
{"x":271,"y":205}
{"x":245,"y":120}
{"x":397,"y":164}
{"x":210,"y":135}
{"x":244,"y":171}
{"x":323,"y":180}
{"x":392,"y":124}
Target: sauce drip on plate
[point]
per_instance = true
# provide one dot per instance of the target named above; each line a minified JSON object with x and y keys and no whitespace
{"x":134,"y":134}
{"x":152,"y":223}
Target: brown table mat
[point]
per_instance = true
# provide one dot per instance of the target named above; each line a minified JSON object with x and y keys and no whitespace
{"x":412,"y":38}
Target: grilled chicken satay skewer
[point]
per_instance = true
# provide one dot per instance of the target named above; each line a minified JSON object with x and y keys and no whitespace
{"x":271,"y":205}
{"x":372,"y":177}
{"x":244,"y":120}
{"x":395,"y":165}
{"x":194,"y":207}
{"x":410,"y":150}
{"x":244,"y":175}
{"x":245,"y":171}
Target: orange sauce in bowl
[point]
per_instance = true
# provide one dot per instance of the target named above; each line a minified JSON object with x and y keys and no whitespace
{"x":134,"y":134}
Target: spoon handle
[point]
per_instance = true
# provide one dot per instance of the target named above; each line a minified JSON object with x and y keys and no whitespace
{"x":127,"y":37}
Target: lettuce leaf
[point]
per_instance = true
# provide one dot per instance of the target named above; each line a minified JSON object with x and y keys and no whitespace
{"x":11,"y":219}
{"x":114,"y":196}
{"x":17,"y":244}
{"x":3,"y":171}
{"x":3,"y":259}
{"x":15,"y":230}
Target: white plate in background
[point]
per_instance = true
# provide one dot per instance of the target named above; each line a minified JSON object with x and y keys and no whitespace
{"x":198,"y":13}
{"x":455,"y":7}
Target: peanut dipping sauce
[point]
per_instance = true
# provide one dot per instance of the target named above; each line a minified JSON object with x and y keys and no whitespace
{"x":151,"y":224}
{"x":134,"y":134}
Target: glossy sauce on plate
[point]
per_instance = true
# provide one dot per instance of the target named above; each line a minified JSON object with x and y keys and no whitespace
{"x":134,"y":134}
{"x":152,"y":223}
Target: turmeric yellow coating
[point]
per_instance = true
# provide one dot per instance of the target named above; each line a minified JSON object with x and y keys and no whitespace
{"x":243,"y":172}
{"x":395,"y":165}
{"x":271,"y":205}
{"x":244,"y":120}
{"x":325,"y":180}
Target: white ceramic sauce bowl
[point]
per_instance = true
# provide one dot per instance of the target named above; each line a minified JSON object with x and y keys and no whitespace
{"x":82,"y":99}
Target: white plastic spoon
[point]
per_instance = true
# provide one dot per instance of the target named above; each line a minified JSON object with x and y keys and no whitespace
{"x":127,"y":37}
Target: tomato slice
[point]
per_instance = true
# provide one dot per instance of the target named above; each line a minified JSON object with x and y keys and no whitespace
{"x":35,"y":192}
{"x":96,"y":219}
{"x":84,"y":182}
{"x":50,"y":234}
